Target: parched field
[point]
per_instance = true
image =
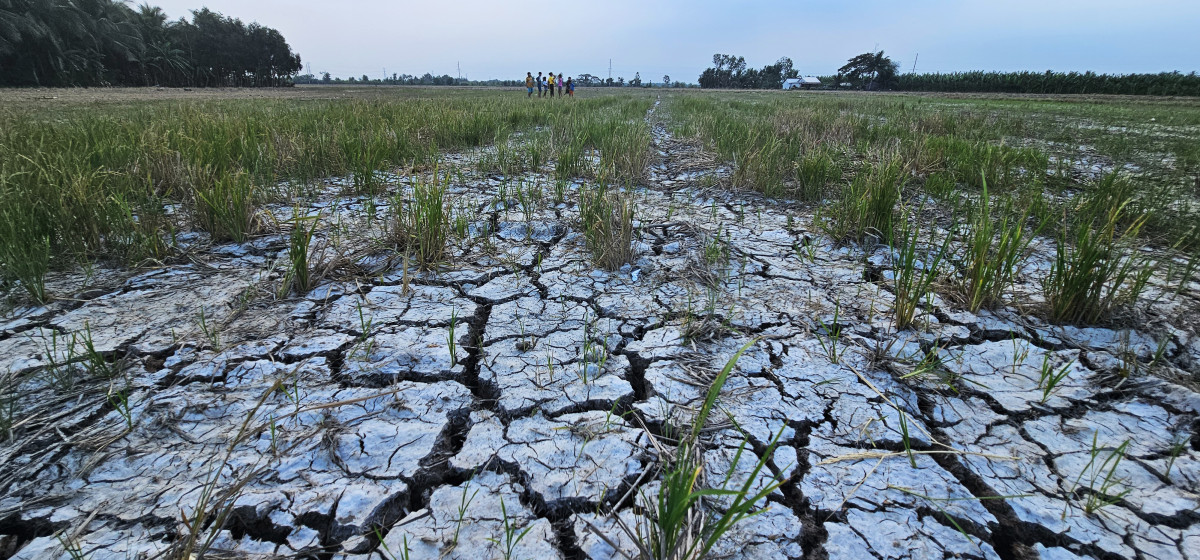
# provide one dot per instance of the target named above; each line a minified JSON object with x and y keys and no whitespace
{"x":457,"y":323}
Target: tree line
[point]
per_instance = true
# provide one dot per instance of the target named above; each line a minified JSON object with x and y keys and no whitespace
{"x":588,"y":80}
{"x":428,"y":79}
{"x":877,"y":71}
{"x":107,"y":43}
{"x":402,"y":80}
{"x":730,"y":71}
{"x":1165,"y":83}
{"x":866,"y":71}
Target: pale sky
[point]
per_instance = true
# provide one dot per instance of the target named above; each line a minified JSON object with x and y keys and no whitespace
{"x":495,"y":39}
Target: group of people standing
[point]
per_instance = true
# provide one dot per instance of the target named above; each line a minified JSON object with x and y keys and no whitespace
{"x":546,"y":85}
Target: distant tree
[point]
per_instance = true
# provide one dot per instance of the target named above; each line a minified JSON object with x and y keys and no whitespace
{"x":227,"y":52}
{"x":871,"y":70}
{"x":727,"y":72}
{"x":787,"y":70}
{"x":749,"y":79}
{"x":772,"y":75}
{"x":666,"y":80}
{"x":734,"y":64}
{"x":620,"y":81}
{"x":107,"y":42}
{"x":637,"y":80}
{"x":163,"y":61}
{"x":326,"y":78}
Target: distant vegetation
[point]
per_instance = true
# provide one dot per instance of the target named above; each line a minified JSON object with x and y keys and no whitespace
{"x":875,"y":71}
{"x":404,"y":80}
{"x":730,"y":71}
{"x":867,"y":70}
{"x":581,"y":80}
{"x":105,"y":42}
{"x":1165,"y":83}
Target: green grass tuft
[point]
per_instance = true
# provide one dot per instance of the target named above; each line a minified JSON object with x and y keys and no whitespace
{"x":421,"y":226}
{"x":607,"y":219}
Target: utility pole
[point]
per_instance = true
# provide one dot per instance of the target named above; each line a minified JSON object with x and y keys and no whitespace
{"x":914,"y":70}
{"x":610,"y":69}
{"x":459,"y":65}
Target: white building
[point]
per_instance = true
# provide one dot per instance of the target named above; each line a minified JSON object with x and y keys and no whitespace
{"x":801,"y":83}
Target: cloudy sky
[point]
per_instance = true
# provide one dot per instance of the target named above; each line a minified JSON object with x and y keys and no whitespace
{"x":496,"y":39}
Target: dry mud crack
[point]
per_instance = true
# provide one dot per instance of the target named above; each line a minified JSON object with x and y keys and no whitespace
{"x":519,"y":386}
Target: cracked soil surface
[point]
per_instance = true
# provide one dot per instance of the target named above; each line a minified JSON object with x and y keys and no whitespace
{"x":519,"y":387}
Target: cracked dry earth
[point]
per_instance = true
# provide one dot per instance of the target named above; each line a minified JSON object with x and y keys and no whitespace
{"x":542,"y":410}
